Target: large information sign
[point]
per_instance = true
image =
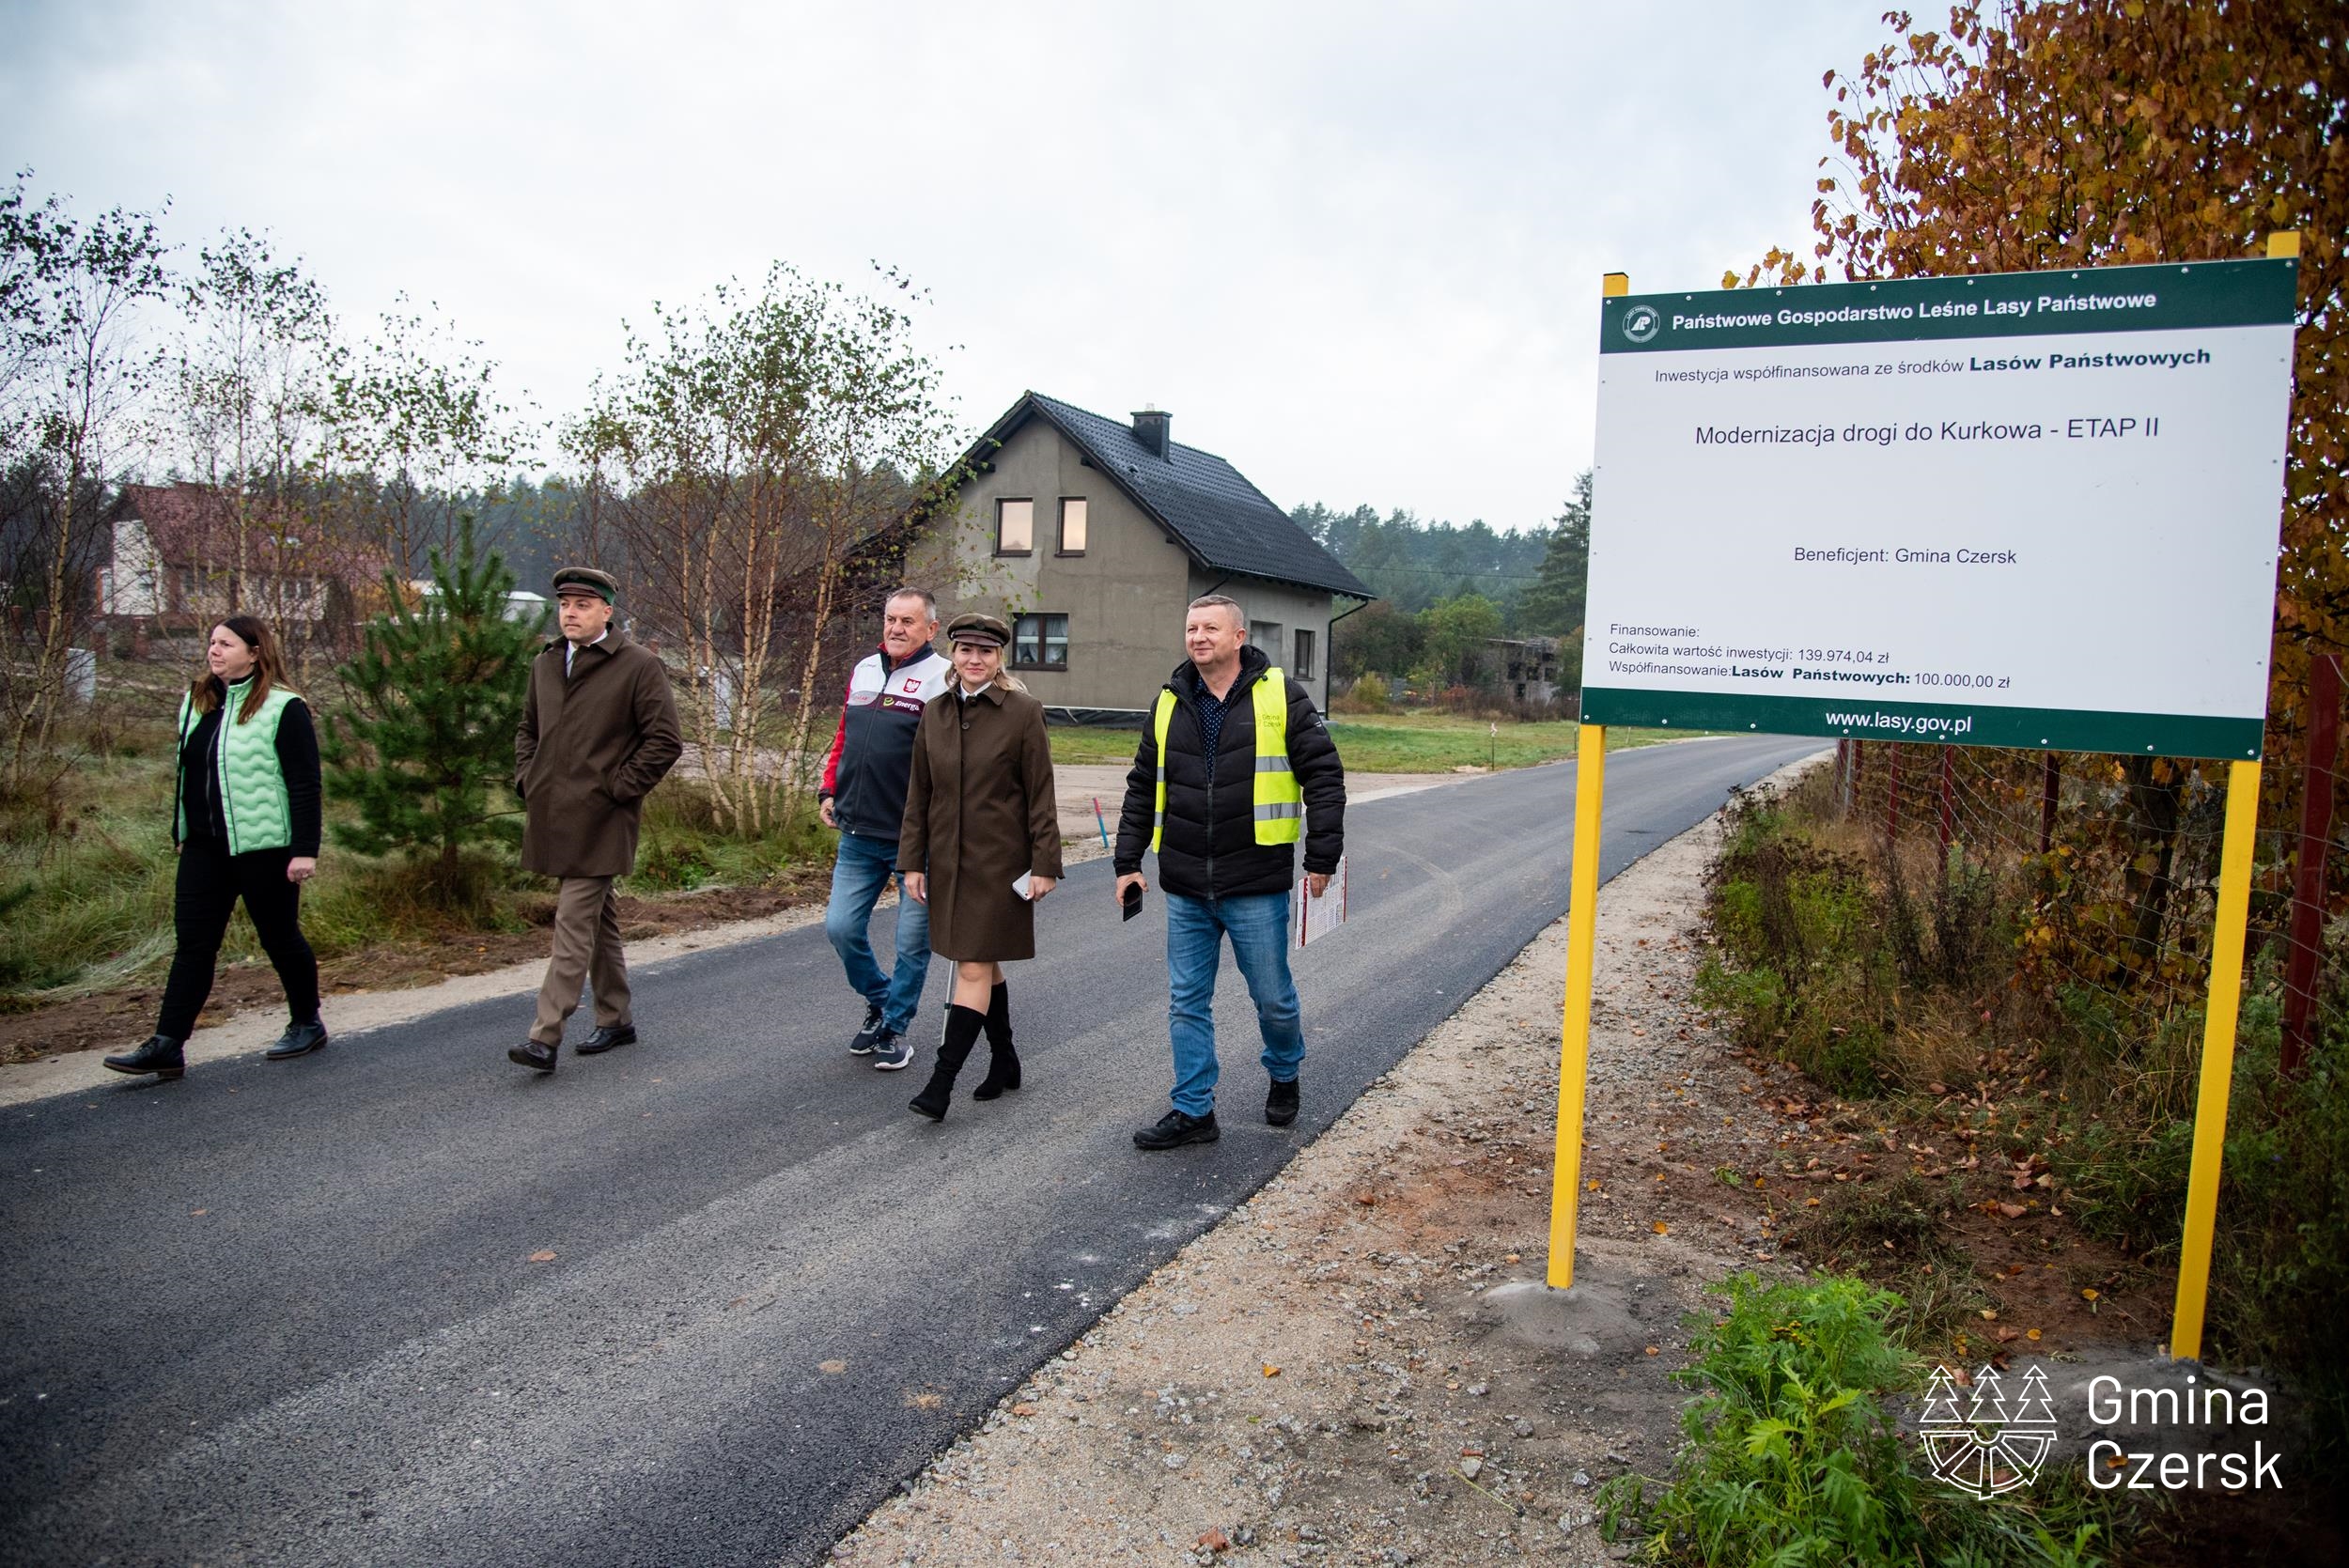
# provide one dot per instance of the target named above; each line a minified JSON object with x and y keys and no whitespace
{"x":2029,"y":509}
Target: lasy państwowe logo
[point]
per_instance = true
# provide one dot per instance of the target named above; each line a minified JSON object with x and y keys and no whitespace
{"x":1996,"y":1445}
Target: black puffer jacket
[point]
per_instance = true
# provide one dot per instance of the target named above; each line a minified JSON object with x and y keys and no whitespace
{"x":1209,"y":848}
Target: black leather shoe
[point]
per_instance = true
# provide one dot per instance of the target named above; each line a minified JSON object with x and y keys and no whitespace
{"x":160,"y":1056}
{"x":1174,"y":1129}
{"x":1280,"y":1106}
{"x":604,"y":1039}
{"x":299,"y":1039}
{"x":530,"y":1053}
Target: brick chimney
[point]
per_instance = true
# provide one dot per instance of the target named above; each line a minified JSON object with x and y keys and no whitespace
{"x":1150,"y":429}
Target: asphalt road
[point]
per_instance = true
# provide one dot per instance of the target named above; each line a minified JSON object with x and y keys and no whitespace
{"x":286,"y":1313}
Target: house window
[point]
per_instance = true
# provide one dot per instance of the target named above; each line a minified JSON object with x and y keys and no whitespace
{"x":1040,"y":643}
{"x":1266,"y":635}
{"x":1072,"y":525}
{"x":1014,"y":527}
{"x":1305,"y":667}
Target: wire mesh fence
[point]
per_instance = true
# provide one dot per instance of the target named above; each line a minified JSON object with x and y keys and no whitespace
{"x":2106,"y":867}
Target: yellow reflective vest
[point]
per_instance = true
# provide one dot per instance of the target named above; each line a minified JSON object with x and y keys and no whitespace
{"x":1280,"y":807}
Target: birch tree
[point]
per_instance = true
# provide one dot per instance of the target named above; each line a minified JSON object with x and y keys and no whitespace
{"x":749,"y":446}
{"x":72,"y":372}
{"x":417,"y":423}
{"x":251,"y":378}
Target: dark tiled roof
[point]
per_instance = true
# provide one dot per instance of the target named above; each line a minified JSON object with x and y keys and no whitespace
{"x":1208,"y":507}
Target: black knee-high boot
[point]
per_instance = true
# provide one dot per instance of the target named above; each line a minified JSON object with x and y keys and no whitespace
{"x":1003,"y":1063}
{"x":962,"y":1030}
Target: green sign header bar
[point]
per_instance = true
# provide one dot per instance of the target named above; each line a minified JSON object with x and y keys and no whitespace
{"x":1998,"y":304}
{"x":1931,"y":723}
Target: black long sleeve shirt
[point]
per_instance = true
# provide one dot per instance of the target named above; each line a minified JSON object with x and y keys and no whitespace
{"x":296,"y":759}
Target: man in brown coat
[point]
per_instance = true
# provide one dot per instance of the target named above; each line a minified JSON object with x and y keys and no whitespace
{"x":599,"y":731}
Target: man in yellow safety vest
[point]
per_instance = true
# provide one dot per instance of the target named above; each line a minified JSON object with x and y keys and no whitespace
{"x":1235,"y":768}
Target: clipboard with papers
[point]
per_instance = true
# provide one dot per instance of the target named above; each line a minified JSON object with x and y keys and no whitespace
{"x":1312,"y":918}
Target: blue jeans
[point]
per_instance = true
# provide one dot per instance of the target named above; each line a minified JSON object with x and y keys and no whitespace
{"x":858,"y":874}
{"x":1259,"y":929}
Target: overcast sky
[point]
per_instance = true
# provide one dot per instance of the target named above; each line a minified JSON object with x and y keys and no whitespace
{"x":1355,"y":249}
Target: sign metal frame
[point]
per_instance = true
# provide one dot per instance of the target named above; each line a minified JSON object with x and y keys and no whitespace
{"x":2221,"y":296}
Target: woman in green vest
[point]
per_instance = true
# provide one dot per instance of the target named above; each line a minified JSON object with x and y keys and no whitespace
{"x":245,"y":820}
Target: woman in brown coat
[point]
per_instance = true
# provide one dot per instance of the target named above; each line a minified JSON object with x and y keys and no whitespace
{"x":980,"y":818}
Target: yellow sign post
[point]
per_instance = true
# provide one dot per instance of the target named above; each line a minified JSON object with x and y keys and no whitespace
{"x":2219,"y":1018}
{"x":2218,"y":1025}
{"x":1574,"y":1057}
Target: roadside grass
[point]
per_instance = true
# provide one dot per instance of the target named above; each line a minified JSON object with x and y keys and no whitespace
{"x":684,"y":846}
{"x":87,"y":867}
{"x":1405,"y":742}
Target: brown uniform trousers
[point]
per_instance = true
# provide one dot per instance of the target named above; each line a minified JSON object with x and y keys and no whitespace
{"x":587,"y":948}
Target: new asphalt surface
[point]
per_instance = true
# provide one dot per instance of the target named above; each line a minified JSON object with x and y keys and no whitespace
{"x":301,"y":1313}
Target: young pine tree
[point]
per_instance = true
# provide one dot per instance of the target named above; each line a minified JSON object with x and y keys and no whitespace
{"x":425,"y":747}
{"x":1552,"y":607}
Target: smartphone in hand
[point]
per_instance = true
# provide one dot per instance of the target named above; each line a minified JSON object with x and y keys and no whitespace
{"x":1131,"y":901}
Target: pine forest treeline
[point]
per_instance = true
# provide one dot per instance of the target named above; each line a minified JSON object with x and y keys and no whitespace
{"x":1445,"y":591}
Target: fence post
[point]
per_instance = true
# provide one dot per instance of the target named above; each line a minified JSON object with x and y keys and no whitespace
{"x":1892,"y":801}
{"x":2301,"y":967}
{"x":1947,"y":753}
{"x":2051,"y":780}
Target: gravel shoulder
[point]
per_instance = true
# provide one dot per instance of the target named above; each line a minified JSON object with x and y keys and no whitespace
{"x":1363,"y":1364}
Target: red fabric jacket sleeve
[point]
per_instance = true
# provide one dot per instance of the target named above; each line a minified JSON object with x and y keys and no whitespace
{"x":839,"y":737}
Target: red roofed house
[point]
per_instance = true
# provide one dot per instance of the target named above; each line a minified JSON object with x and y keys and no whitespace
{"x":172,"y":558}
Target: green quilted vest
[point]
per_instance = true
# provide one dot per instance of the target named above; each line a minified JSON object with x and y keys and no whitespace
{"x":252,"y":787}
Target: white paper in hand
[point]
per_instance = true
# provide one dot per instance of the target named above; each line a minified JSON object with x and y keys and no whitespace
{"x":1318,"y":917}
{"x":1023,"y":883}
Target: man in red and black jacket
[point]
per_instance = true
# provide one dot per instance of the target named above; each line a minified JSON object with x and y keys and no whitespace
{"x":863,"y":795}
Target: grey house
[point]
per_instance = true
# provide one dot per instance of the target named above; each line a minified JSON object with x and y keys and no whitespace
{"x":1091,"y":537}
